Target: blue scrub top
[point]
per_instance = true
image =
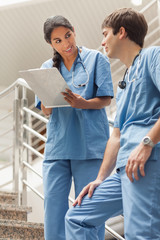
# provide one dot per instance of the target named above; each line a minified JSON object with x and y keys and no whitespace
{"x":139,"y":104}
{"x":79,"y":133}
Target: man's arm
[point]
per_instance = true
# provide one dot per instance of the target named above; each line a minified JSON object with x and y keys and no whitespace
{"x":141,"y":153}
{"x":107,"y":166}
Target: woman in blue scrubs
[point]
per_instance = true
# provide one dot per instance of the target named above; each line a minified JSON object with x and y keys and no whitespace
{"x":76,"y":135}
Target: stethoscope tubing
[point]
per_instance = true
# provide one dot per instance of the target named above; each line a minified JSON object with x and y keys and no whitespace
{"x":74,"y":66}
{"x":122,"y":84}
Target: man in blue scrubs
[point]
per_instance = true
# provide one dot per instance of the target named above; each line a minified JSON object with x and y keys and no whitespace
{"x":134,"y":147}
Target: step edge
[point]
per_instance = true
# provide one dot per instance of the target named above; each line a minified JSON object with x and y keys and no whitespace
{"x":22,"y":224}
{"x":10,"y":207}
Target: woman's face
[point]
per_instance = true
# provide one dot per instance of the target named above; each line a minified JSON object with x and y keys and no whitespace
{"x":63,"y":41}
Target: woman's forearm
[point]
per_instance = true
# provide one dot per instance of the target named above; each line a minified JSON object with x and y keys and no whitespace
{"x":46,"y":111}
{"x":77,"y":101}
{"x":98,"y":102}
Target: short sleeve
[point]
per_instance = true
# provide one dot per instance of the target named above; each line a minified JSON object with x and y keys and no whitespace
{"x":117,"y":120}
{"x":37,"y":102}
{"x":103,"y":79}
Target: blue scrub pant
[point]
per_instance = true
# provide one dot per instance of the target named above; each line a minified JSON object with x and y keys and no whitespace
{"x":138,"y":201}
{"x":57,"y":179}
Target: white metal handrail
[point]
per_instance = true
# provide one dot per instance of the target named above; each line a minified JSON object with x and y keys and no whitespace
{"x":32,"y":150}
{"x":19,"y":82}
{"x":32,"y":169}
{"x":33,"y":189}
{"x":36,"y":115}
{"x":35,"y":133}
{"x":113,"y":233}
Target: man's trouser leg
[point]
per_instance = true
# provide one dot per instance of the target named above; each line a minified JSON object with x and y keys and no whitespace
{"x":82,"y":222}
{"x":141,"y":201}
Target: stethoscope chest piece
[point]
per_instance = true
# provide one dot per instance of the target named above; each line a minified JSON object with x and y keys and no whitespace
{"x":122,"y":84}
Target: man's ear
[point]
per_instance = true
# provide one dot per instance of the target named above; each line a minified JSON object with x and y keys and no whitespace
{"x":122,"y":33}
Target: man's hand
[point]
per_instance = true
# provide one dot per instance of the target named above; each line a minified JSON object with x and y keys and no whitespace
{"x":87,"y":189}
{"x":137,"y":160}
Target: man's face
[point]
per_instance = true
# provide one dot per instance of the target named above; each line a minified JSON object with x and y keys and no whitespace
{"x":110,"y":42}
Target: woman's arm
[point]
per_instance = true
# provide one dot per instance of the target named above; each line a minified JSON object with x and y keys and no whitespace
{"x":77,"y":101}
{"x":46,"y":111}
{"x":98,"y":102}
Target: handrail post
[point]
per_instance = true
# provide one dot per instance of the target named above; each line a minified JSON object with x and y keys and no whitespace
{"x":16,"y":143}
{"x":24,"y":151}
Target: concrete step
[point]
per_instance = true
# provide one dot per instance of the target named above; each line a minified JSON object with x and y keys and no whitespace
{"x":7,"y":239}
{"x":14,"y":212}
{"x":20,"y":230}
{"x":8,"y":198}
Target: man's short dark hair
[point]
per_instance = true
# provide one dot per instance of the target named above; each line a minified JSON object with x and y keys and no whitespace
{"x":134,"y":23}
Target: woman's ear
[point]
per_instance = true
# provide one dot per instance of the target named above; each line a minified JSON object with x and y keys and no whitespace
{"x":51,"y":45}
{"x":49,"y":42}
{"x":74,"y":31}
{"x":122,"y":33}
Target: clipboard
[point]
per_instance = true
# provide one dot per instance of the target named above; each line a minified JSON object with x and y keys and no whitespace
{"x":47,"y":84}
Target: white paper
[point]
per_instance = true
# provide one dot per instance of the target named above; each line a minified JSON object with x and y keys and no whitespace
{"x":47,"y":84}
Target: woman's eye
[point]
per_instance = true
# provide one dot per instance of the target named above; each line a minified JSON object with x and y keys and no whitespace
{"x":58,"y":41}
{"x":68,"y":35}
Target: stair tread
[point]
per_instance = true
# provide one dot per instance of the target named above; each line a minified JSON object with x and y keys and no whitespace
{"x":8,"y":194}
{"x":18,"y":223}
{"x":8,"y":239}
{"x":13,"y":207}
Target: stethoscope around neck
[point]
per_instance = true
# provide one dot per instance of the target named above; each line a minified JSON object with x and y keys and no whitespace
{"x":79,"y":60}
{"x":122,"y":84}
